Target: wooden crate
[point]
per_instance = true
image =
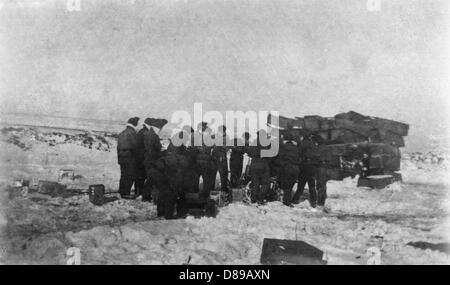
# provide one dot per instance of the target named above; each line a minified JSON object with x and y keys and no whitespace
{"x":327,"y":124}
{"x":97,"y":194}
{"x":376,"y":162}
{"x":282,"y":252}
{"x":312,"y":122}
{"x":352,"y":116}
{"x":238,"y":194}
{"x":398,"y":128}
{"x":376,"y":181}
{"x":51,"y":188}
{"x":335,"y":174}
{"x":389,"y":137}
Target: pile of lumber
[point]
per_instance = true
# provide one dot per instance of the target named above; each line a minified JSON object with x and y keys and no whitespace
{"x":350,"y":127}
{"x":350,"y":141}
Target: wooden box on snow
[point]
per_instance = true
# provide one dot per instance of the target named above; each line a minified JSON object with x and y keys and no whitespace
{"x":51,"y":188}
{"x":279,"y":252}
{"x":376,"y":181}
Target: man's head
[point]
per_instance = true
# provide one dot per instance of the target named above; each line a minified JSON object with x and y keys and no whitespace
{"x":148,"y":123}
{"x":133,"y":121}
{"x":157,"y":123}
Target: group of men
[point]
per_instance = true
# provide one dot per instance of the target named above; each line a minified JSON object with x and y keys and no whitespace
{"x":176,"y":171}
{"x":298,"y":161}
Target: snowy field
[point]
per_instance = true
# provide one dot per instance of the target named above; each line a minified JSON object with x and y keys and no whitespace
{"x":38,"y":229}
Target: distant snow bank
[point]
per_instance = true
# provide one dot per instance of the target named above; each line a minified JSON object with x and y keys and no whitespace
{"x":60,"y":122}
{"x":432,"y":157}
{"x":426,"y":168}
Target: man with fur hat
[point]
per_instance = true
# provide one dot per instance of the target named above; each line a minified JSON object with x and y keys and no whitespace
{"x":126,"y":154}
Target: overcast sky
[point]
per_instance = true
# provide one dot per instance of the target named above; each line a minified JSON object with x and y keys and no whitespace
{"x":114,"y":59}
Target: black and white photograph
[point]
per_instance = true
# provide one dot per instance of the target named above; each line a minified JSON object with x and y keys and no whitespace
{"x":224,"y":132}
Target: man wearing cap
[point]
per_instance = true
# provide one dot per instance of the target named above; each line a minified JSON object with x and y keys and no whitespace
{"x":289,"y":160}
{"x":140,"y":155}
{"x":152,"y":146}
{"x":175,"y":165}
{"x":161,"y":180}
{"x":310,"y":161}
{"x":126,"y":154}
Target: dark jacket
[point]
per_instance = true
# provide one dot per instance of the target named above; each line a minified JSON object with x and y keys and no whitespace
{"x":152,"y":146}
{"x":140,"y":146}
{"x":289,"y":153}
{"x":176,"y":160}
{"x":126,"y":144}
{"x":309,"y":152}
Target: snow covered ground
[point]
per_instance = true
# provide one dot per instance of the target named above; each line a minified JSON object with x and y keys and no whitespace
{"x":39,"y":229}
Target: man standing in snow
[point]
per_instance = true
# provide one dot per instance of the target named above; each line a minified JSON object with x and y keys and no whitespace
{"x":322,"y":179}
{"x":162,"y":177}
{"x":289,"y":159}
{"x":175,"y":165}
{"x":178,"y":162}
{"x":309,"y":153}
{"x":259,"y":171}
{"x":152,"y":147}
{"x":126,"y":154}
{"x":140,"y":155}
